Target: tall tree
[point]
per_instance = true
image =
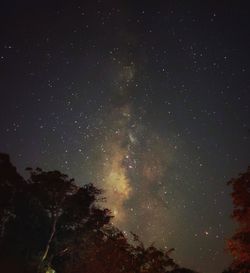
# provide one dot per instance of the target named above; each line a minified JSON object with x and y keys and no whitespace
{"x":49,"y":213}
{"x":239,"y":244}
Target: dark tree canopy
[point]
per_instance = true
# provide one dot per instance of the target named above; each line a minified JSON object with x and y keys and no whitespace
{"x":239,"y":244}
{"x":11,"y":182}
{"x":41,"y":218}
{"x":49,"y":224}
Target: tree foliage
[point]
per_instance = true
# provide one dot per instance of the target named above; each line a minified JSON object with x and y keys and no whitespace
{"x":42,"y":217}
{"x":239,"y":244}
{"x":49,"y":224}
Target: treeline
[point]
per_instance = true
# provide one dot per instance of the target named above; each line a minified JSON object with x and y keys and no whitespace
{"x":49,"y":224}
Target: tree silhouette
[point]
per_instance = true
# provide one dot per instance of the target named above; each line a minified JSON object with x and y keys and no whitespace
{"x":49,"y":224}
{"x":10,"y":184}
{"x":110,"y":251}
{"x":239,"y":244}
{"x":45,"y":215}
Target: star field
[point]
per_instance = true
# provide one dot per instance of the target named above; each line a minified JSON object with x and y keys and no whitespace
{"x":148,"y":101}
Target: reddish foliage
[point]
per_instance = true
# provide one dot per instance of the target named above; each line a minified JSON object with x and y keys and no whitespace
{"x":239,"y":244}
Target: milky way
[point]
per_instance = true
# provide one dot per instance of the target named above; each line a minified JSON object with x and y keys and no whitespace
{"x":147,"y":100}
{"x":132,"y":165}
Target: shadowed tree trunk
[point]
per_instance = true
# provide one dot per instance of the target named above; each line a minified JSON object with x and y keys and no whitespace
{"x":52,"y":233}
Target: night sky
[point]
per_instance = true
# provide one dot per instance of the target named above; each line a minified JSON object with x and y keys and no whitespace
{"x":149,"y":101}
